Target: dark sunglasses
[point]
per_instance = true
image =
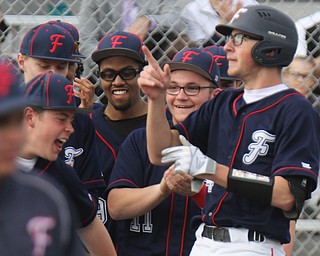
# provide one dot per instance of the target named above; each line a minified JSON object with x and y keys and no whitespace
{"x":126,"y":74}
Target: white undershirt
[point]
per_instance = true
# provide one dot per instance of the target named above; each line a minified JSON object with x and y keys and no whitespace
{"x":250,"y":96}
{"x":26,"y":165}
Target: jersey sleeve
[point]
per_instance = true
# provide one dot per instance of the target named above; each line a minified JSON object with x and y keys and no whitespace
{"x":81,"y":199}
{"x":298,"y":142}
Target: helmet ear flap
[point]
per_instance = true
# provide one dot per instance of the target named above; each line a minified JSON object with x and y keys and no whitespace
{"x":268,"y":54}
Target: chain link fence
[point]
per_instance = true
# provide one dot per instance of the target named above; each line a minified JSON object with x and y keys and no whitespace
{"x":96,"y":18}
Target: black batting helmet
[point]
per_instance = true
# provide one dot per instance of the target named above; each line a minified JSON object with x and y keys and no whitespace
{"x":277,"y":32}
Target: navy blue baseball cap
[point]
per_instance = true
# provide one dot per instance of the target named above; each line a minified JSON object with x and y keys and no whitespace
{"x":220,"y":56}
{"x":50,"y":91}
{"x":198,"y":61}
{"x":48,"y":41}
{"x":74,"y":33}
{"x":119,"y":43}
{"x":11,"y":95}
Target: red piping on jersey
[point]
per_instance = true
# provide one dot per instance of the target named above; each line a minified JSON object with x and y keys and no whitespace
{"x":296,"y":168}
{"x":272,"y":252}
{"x":45,"y":168}
{"x":107,"y":144}
{"x":184,"y":225}
{"x":185,"y":130}
{"x":92,"y":181}
{"x":169,"y":225}
{"x":218,"y":208}
{"x":129,"y":181}
{"x":253,"y":113}
{"x":241,"y":134}
{"x":234,"y":104}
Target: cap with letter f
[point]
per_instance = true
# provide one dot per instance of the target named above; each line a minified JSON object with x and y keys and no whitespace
{"x":119,"y":43}
{"x":50,"y":91}
{"x":198,"y":61}
{"x":48,"y":41}
{"x":74,"y":33}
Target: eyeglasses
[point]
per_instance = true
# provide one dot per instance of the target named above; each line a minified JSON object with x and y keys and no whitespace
{"x":126,"y":74}
{"x":237,"y":39}
{"x":188,"y":90}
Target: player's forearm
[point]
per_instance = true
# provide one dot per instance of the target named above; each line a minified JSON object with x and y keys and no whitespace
{"x":281,"y":195}
{"x":127,"y":203}
{"x":97,"y":240}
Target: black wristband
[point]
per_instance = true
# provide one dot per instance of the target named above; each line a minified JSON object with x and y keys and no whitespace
{"x":251,"y":185}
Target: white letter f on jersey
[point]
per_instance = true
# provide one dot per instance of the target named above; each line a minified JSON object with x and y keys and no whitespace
{"x":259,"y":147}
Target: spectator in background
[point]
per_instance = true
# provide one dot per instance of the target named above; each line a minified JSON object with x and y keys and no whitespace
{"x":301,"y":75}
{"x":149,"y":19}
{"x":220,"y":56}
{"x":201,"y":17}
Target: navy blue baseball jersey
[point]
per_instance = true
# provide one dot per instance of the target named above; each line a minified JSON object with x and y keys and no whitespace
{"x":276,"y":135}
{"x":66,"y":178}
{"x":80,"y":152}
{"x":166,"y":229}
{"x":109,"y":136}
{"x":35,"y":219}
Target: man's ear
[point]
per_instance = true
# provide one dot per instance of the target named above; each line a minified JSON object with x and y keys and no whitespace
{"x":21,"y":62}
{"x":215,"y":92}
{"x":29,"y":116}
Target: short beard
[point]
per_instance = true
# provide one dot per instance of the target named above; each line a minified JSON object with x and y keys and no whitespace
{"x":124,"y":107}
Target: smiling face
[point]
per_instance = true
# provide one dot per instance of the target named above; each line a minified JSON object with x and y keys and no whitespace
{"x":181,"y":105}
{"x":48,"y":130}
{"x":32,"y":67}
{"x":121,"y":94}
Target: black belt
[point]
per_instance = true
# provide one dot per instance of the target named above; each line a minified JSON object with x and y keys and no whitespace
{"x":223,"y":235}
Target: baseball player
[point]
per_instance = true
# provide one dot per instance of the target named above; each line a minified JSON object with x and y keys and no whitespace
{"x":47,"y":227}
{"x":160,"y":222}
{"x":220,"y":56}
{"x":84,"y":88}
{"x":49,"y":47}
{"x":48,"y":125}
{"x":251,"y":142}
{"x":120,"y":60}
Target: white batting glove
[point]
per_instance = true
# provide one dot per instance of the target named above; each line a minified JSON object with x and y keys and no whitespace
{"x":188,"y":159}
